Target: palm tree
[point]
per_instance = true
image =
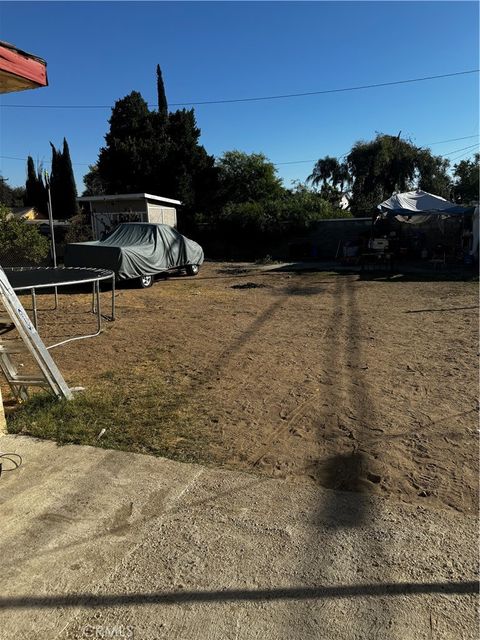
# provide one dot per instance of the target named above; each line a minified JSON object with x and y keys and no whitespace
{"x":327,"y":170}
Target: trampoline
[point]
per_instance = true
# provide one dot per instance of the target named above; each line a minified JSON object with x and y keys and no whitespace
{"x":31,"y":279}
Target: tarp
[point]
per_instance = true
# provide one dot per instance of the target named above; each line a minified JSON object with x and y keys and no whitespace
{"x":135,"y":249}
{"x":20,"y":70}
{"x":416,"y":207}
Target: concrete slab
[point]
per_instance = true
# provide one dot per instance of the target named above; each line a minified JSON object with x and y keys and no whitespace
{"x":98,"y":543}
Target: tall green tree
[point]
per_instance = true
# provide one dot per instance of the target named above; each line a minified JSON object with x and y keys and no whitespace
{"x":135,"y":149}
{"x":247,"y":178}
{"x":69,"y":187}
{"x":466,"y":180}
{"x":63,"y":190}
{"x":161,"y":96}
{"x":378,"y":168}
{"x":35,"y":190}
{"x":155,"y":152}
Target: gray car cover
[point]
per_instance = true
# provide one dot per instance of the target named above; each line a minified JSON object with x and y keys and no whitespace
{"x":135,"y":249}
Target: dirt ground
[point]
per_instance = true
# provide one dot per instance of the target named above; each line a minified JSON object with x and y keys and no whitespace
{"x":355,"y":383}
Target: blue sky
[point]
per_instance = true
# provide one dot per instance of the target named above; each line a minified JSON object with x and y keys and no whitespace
{"x":98,"y":52}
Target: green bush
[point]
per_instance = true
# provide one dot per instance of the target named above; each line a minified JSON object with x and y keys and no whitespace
{"x":79,"y":229}
{"x":20,"y":242}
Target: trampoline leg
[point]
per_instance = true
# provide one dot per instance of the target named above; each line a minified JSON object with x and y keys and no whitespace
{"x":93,"y":298}
{"x":99,"y":313}
{"x":113,"y":297}
{"x":34,"y":307}
{"x":56,"y":299}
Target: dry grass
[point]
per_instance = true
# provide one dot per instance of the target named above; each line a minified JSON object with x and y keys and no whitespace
{"x":146,"y":417}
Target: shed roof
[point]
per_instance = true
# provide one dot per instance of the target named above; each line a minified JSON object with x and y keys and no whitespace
{"x":127,"y":196}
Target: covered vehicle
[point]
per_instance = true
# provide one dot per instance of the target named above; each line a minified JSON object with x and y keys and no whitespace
{"x":138,"y":250}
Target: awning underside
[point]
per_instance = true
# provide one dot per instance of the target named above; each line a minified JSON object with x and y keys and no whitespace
{"x":20,"y":70}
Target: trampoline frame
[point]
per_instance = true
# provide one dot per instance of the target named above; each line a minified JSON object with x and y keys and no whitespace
{"x":100,"y":275}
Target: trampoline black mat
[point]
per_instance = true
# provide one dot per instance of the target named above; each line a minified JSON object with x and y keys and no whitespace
{"x":39,"y":277}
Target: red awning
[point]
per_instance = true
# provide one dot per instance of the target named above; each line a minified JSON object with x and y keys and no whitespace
{"x":20,"y":70}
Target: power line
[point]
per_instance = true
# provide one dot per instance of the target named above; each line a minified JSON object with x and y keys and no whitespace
{"x":468,"y":153}
{"x":277,"y":164}
{"x":472,"y":146}
{"x":255,"y":99}
{"x":452,"y":140}
{"x":85,"y":164}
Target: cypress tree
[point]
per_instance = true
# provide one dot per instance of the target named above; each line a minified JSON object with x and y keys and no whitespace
{"x":31,"y":184}
{"x":62,"y":183}
{"x":69,"y":187}
{"x":55,"y":183}
{"x":162,"y":98}
{"x":35,"y":191}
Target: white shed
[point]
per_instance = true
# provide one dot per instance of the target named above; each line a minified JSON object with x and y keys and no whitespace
{"x":107,"y":212}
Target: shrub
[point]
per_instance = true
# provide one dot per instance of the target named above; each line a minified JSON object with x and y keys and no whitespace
{"x":20,"y":242}
{"x":79,"y":229}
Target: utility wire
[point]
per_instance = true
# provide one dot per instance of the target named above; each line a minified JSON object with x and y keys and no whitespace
{"x":464,"y":155}
{"x":425,"y":146}
{"x":452,"y":140}
{"x":255,"y":99}
{"x":277,"y":164}
{"x":461,"y":155}
{"x":472,"y":146}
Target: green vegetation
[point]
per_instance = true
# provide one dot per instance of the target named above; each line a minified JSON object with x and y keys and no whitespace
{"x":20,"y":241}
{"x":466,"y":185}
{"x":376,"y":169}
{"x":62,"y":184}
{"x":35,"y":190}
{"x":154,"y":152}
{"x":11,"y":196}
{"x":150,"y":418}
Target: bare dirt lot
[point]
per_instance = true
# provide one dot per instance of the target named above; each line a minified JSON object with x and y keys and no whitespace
{"x":355,"y":383}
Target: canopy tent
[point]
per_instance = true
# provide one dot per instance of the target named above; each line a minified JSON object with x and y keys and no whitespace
{"x":415,"y":207}
{"x":20,"y":70}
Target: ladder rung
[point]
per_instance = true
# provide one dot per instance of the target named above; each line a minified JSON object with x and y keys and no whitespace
{"x":26,"y":380}
{"x":14,"y":347}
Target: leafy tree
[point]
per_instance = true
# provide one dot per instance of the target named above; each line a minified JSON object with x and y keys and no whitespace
{"x":155,"y":152}
{"x":433,"y":174}
{"x":126,"y":162}
{"x":378,"y":168}
{"x":466,"y":180}
{"x":189,"y":170}
{"x":11,"y":196}
{"x":247,"y":178}
{"x":93,"y":182}
{"x":21,"y":243}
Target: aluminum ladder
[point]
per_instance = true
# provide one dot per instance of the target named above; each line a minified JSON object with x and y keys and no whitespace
{"x":30,"y":343}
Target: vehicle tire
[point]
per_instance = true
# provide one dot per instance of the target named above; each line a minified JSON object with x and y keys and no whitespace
{"x":192,"y":269}
{"x":145,"y":282}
